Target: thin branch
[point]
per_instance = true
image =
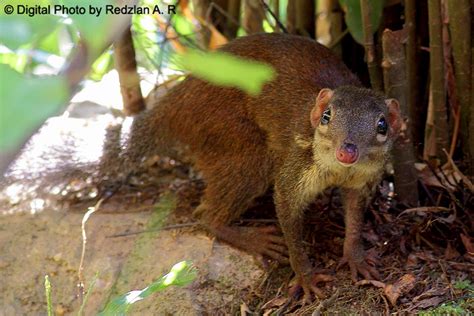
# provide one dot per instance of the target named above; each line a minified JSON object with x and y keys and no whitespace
{"x":170,"y":227}
{"x":277,"y":21}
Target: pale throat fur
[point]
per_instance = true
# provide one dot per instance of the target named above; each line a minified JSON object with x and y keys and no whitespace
{"x":325,"y":171}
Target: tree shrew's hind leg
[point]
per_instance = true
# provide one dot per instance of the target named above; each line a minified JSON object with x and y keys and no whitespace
{"x":232,"y":185}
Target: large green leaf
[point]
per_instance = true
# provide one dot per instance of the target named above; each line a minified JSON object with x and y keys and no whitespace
{"x":19,"y":29}
{"x":353,"y":16}
{"x":101,"y":66}
{"x":94,"y":28}
{"x":180,"y":274}
{"x":145,"y":32}
{"x":15,"y":60}
{"x":25,"y":102}
{"x":224,"y":69}
{"x":51,"y":42}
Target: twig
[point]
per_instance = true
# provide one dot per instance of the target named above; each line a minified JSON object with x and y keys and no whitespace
{"x":277,"y":21}
{"x":454,"y":137}
{"x":465,"y":179}
{"x":249,"y":220}
{"x":325,"y":303}
{"x":387,"y":306}
{"x":176,"y":226}
{"x":428,"y":193}
{"x":447,"y":281}
{"x":80,"y":276}
{"x":212,"y":6}
{"x":338,"y":39}
{"x":426,"y":209}
{"x":427,"y":242}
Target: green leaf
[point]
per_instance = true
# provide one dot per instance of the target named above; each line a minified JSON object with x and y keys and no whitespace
{"x":145,"y":32}
{"x":101,"y":66}
{"x":95,"y":29}
{"x":50,"y":43}
{"x":182,"y":25}
{"x":25,"y":102}
{"x":353,"y":17}
{"x":14,"y":60}
{"x":180,"y":274}
{"x":227,"y":70}
{"x":463,"y":285}
{"x":19,"y":29}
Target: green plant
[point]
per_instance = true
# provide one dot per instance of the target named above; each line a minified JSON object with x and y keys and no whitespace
{"x":86,"y":298}
{"x":180,"y":274}
{"x":47,"y":289}
{"x":464,"y":285}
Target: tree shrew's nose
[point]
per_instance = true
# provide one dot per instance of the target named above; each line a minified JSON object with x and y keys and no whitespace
{"x":347,"y":153}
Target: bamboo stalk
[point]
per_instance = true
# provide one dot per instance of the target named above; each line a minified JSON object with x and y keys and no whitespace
{"x":276,"y":9}
{"x":291,"y":17}
{"x":305,"y":22}
{"x":253,"y":16}
{"x":437,"y":78}
{"x":460,"y":31}
{"x":233,"y":10}
{"x":395,"y":82}
{"x":411,"y":62}
{"x":374,"y":70}
{"x":470,"y":127}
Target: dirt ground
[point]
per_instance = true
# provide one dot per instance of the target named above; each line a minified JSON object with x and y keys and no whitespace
{"x":144,"y":229}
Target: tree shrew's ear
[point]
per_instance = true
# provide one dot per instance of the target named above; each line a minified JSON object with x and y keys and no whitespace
{"x":321,"y":104}
{"x":394,"y":116}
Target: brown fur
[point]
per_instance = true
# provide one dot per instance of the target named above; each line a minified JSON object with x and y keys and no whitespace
{"x":242,"y":144}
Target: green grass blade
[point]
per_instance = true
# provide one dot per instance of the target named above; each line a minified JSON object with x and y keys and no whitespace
{"x":47,"y":289}
{"x":89,"y":291}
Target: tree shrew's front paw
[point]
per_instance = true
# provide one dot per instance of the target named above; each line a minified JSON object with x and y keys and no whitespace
{"x":357,"y":261}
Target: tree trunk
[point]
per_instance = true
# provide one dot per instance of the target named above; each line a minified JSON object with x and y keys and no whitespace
{"x":471,"y":117}
{"x":233,"y":19}
{"x":253,"y":16}
{"x":411,"y":63}
{"x":394,"y":76}
{"x":291,"y":17}
{"x":460,"y":31}
{"x":440,"y":130}
{"x":276,"y":9}
{"x":301,"y":17}
{"x":126,"y":66}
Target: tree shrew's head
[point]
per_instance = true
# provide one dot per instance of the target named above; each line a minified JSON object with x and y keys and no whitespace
{"x":354,"y":127}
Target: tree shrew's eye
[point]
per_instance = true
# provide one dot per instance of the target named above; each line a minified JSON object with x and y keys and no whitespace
{"x":326,"y":117}
{"x":382,"y":126}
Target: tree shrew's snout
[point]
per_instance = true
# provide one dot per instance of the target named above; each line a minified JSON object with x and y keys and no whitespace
{"x":347,"y":154}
